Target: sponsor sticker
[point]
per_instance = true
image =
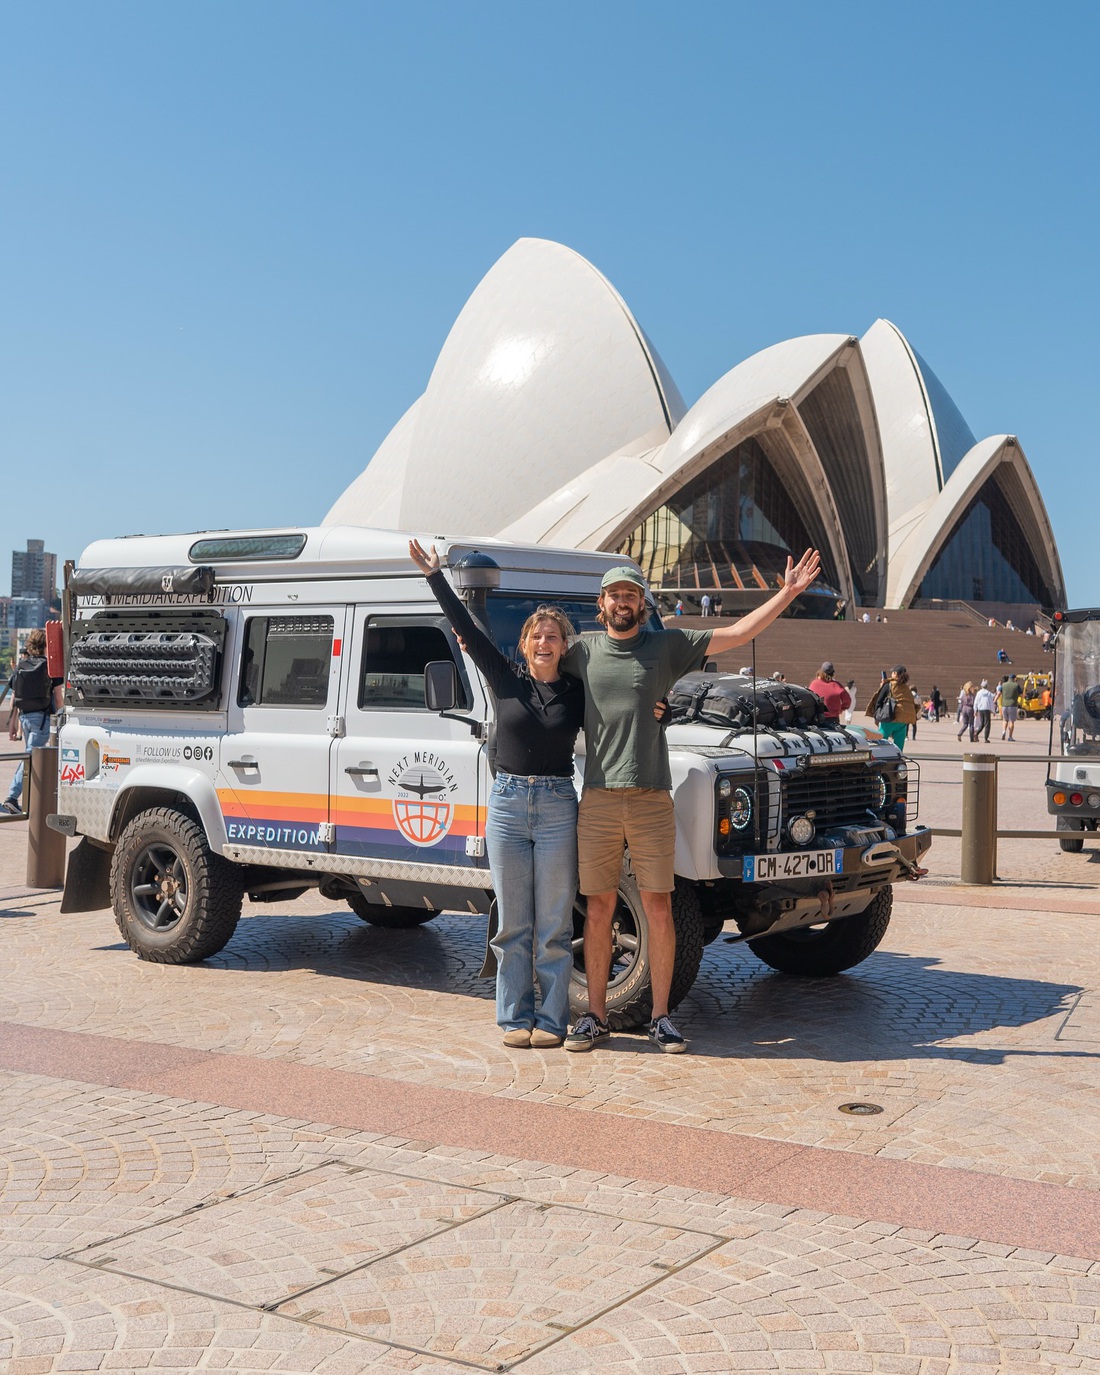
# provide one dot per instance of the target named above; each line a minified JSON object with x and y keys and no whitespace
{"x":72,"y":769}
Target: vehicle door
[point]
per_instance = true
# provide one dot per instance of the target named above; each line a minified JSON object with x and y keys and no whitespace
{"x":408,"y":785}
{"x":273,"y":771}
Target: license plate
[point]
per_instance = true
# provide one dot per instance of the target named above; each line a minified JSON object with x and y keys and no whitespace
{"x":798,"y":864}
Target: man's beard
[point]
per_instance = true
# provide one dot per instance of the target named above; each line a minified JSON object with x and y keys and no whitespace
{"x":623,"y":618}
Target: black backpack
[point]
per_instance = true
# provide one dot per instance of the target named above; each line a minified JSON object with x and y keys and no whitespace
{"x":32,"y":686}
{"x":726,"y":700}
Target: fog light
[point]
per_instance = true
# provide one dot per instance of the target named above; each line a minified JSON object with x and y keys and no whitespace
{"x":725,"y":787}
{"x":902,"y":771}
{"x":1059,"y":799}
{"x":801,"y":830}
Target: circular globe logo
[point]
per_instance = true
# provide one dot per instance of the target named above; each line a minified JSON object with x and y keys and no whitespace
{"x":423,"y":816}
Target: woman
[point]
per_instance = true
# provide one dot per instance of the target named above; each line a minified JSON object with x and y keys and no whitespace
{"x":894,"y":725}
{"x":966,"y":711}
{"x":531,"y":829}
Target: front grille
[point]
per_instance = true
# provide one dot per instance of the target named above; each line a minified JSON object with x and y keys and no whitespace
{"x":841,"y":796}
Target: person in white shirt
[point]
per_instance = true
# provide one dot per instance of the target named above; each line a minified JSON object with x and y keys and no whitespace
{"x":984,"y":701}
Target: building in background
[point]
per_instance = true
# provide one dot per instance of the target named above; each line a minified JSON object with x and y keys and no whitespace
{"x":34,"y":572}
{"x":550,"y":418}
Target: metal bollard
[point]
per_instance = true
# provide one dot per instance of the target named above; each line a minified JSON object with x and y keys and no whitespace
{"x":45,"y":848}
{"x":979,"y":818}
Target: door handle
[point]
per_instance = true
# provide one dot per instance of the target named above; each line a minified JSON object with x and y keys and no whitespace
{"x":362,"y":773}
{"x":243,"y":764}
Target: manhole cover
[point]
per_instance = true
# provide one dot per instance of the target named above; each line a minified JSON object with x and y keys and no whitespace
{"x":860,"y":1109}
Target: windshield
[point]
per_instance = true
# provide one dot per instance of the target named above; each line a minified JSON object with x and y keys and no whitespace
{"x":509,"y":610}
{"x":1077,"y":697}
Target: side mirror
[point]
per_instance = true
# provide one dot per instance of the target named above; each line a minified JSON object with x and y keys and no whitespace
{"x":441,"y":685}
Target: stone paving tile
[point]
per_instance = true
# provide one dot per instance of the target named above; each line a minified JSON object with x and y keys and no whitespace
{"x":56,"y":1316}
{"x":273,"y":1241}
{"x":497,"y":1288}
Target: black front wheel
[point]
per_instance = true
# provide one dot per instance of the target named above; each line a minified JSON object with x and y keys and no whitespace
{"x":175,"y":901}
{"x":629,"y":997}
{"x":830,"y":947}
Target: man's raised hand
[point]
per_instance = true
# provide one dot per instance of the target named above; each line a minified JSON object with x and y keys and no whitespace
{"x":802,"y":574}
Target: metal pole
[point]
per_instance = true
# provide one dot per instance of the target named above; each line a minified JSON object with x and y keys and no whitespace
{"x":979,"y":818}
{"x":45,"y":848}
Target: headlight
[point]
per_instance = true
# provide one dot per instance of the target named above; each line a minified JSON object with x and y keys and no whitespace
{"x":725,"y":787}
{"x":878,"y":792}
{"x":801,"y":830}
{"x":902,"y":771}
{"x":740,"y":808}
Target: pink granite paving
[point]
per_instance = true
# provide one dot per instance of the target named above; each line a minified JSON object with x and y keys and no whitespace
{"x":1013,"y":1212}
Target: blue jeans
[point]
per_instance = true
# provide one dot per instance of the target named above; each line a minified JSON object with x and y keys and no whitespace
{"x":36,"y":733}
{"x":531,"y":833}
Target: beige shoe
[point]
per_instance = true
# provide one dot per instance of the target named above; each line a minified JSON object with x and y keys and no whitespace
{"x":545,"y":1040}
{"x":519,"y":1039}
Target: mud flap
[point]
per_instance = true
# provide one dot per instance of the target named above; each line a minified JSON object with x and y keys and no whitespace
{"x":87,"y":879}
{"x":492,"y":926}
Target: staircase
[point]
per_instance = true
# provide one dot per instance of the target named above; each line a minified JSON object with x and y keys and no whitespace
{"x":937,"y":647}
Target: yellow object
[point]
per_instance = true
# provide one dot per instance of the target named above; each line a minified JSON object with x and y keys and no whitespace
{"x":1035,"y":697}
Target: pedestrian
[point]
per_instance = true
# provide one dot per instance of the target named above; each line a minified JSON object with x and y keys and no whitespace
{"x":627,"y":782}
{"x":1010,"y":706}
{"x":718,"y":603}
{"x":679,"y":606}
{"x":704,"y":603}
{"x":836,"y":698}
{"x":531,"y":826}
{"x":892,"y":707}
{"x":866,"y":618}
{"x":36,"y":697}
{"x":983,"y":710}
{"x":916,"y":712}
{"x":1002,"y":657}
{"x":937,"y":703}
{"x":851,"y":686}
{"x":966,"y":711}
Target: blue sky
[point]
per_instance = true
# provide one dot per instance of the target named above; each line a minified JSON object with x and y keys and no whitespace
{"x":235,"y":233}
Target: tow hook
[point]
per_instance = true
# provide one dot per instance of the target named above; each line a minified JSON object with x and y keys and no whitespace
{"x":827,"y":898}
{"x":882,"y":853}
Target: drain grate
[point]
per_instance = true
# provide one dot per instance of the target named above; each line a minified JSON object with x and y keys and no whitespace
{"x":860,"y":1109}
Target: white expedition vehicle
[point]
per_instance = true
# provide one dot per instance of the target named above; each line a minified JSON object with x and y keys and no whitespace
{"x":268,"y":712}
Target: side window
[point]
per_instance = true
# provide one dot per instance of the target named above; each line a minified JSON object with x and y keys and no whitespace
{"x":394,"y":656}
{"x":286,"y":661}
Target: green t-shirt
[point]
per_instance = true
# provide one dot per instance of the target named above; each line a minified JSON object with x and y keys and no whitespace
{"x":623,"y":680}
{"x":1010,"y":694}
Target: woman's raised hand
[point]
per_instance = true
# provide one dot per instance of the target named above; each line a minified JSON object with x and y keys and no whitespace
{"x":802,"y":574}
{"x":427,"y":563}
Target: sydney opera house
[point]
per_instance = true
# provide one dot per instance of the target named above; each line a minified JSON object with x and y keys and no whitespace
{"x":550,"y":418}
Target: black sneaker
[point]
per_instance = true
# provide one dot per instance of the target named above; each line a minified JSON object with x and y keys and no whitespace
{"x":665,"y":1036}
{"x":12,"y":808}
{"x":588,"y":1031}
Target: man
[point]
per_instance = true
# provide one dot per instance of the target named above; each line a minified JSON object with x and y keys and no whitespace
{"x":984,"y":702}
{"x":37,"y":696}
{"x":835,"y":697}
{"x":627,"y":782}
{"x":705,"y":603}
{"x":1010,"y":706}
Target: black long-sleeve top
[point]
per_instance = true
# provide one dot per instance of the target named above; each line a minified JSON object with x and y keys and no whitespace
{"x":537,"y":723}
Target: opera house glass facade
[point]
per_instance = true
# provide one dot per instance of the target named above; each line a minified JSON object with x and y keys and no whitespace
{"x":550,"y":418}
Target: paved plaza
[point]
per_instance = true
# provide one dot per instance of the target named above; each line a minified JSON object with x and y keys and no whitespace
{"x":313,"y":1154}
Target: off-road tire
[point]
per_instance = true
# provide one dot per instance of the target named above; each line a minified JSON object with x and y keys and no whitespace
{"x":629,"y":997}
{"x":209,"y":898}
{"x":393,"y":918}
{"x":818,"y":952}
{"x":1068,"y":823}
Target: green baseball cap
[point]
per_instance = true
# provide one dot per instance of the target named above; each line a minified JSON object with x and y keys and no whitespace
{"x":624,"y":573}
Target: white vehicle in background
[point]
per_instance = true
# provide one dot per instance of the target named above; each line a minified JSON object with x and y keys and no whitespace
{"x":1073,"y":788}
{"x":265,"y":712}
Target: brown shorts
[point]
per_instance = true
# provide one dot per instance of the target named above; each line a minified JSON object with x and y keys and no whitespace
{"x":610,"y":818}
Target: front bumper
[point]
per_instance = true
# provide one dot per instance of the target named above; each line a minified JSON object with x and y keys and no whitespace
{"x":870,"y":865}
